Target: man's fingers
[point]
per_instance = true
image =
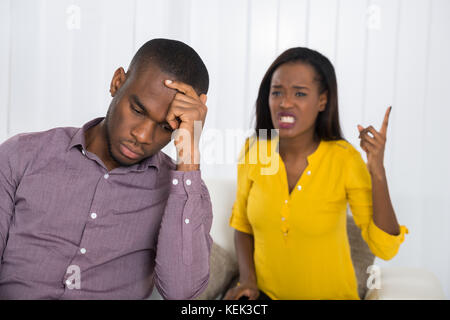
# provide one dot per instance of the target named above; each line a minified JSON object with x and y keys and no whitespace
{"x":181,"y":87}
{"x":182,"y":97}
{"x":203,"y":98}
{"x":173,"y":119}
{"x":384,"y":126}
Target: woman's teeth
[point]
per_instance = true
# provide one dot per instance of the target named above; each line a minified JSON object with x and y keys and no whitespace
{"x":287,"y":119}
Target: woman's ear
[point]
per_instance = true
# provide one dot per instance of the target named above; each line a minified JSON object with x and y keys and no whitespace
{"x":323,"y":99}
{"x":117,"y":81}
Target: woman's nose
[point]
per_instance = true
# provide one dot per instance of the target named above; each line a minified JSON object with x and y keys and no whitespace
{"x":286,"y":103}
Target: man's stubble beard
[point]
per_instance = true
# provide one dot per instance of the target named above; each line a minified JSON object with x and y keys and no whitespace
{"x":108,"y":141}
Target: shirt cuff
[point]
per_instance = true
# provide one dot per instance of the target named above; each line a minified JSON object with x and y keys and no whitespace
{"x":185,"y":182}
{"x":385,"y":238}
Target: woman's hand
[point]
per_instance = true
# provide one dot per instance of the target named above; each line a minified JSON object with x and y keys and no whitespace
{"x":374,"y":145}
{"x":249,"y":290}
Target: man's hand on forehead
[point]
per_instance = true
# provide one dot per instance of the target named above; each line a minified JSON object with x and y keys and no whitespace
{"x":187,"y":107}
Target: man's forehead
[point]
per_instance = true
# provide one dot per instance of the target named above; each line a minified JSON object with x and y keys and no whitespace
{"x":151,"y":83}
{"x":149,"y":92}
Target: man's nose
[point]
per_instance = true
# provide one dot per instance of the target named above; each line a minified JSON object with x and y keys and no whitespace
{"x":144,"y":132}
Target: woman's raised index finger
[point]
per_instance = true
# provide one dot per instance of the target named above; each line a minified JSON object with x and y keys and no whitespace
{"x":384,"y":126}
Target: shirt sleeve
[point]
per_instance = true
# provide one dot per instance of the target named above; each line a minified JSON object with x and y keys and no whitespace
{"x":239,"y":219}
{"x":359,"y":196}
{"x":184,"y":242}
{"x":9,"y":180}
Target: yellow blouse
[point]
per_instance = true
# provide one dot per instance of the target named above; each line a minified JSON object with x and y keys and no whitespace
{"x":300,"y":239}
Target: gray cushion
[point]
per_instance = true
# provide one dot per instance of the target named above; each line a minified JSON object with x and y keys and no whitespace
{"x":362,"y":257}
{"x":223,"y":268}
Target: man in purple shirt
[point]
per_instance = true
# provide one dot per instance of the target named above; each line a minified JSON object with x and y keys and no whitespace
{"x":100,"y":212}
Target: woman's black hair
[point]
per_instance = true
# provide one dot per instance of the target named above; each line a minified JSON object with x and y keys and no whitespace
{"x":327,"y":125}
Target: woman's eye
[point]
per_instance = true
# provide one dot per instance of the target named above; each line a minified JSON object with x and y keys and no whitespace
{"x":276,"y":93}
{"x":300,"y":94}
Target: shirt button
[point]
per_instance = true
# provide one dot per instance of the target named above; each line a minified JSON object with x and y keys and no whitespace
{"x":175,"y":181}
{"x":308,"y":173}
{"x":106,"y":176}
{"x":83,"y":152}
{"x":285,"y":201}
{"x":83,"y":250}
{"x":283,"y":218}
{"x":299,"y":187}
{"x":186,"y":221}
{"x":188,"y":182}
{"x":93,"y":215}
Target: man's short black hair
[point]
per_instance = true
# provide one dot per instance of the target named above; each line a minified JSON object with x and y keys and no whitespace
{"x":175,"y":58}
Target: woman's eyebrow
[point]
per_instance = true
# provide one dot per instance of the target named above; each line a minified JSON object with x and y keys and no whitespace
{"x":278,"y":86}
{"x":300,"y":87}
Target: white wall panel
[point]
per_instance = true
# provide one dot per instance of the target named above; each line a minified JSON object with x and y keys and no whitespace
{"x":381,"y":63}
{"x":162,"y":19}
{"x":292,"y":24}
{"x":435,"y":215}
{"x":103,"y":43}
{"x":350,"y":65}
{"x":5,"y":38}
{"x":405,"y":139}
{"x":322,"y":29}
{"x":27,"y":65}
{"x":262,"y":24}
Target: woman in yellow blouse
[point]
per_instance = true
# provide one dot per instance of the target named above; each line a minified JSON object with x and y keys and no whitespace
{"x":290,"y":222}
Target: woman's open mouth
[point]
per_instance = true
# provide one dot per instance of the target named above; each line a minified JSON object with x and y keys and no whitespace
{"x":286,"y":120}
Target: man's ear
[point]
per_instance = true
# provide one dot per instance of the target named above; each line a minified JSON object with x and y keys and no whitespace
{"x":117,"y":81}
{"x":323,"y":99}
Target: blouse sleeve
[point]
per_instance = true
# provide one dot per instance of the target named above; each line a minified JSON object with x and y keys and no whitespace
{"x":359,"y":196}
{"x":239,"y":219}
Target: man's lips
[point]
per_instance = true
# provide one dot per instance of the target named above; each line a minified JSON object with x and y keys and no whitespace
{"x":127,"y":152}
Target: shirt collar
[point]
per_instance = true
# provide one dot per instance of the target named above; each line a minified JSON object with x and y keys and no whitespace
{"x":275,"y":143}
{"x":79,"y":139}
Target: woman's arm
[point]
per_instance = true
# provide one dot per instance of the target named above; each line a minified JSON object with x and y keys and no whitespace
{"x":243,"y":243}
{"x":374,"y":146}
{"x":247,"y":276}
{"x":383,"y":212}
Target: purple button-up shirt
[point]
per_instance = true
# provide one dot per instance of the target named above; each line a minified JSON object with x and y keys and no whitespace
{"x":69,"y":229}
